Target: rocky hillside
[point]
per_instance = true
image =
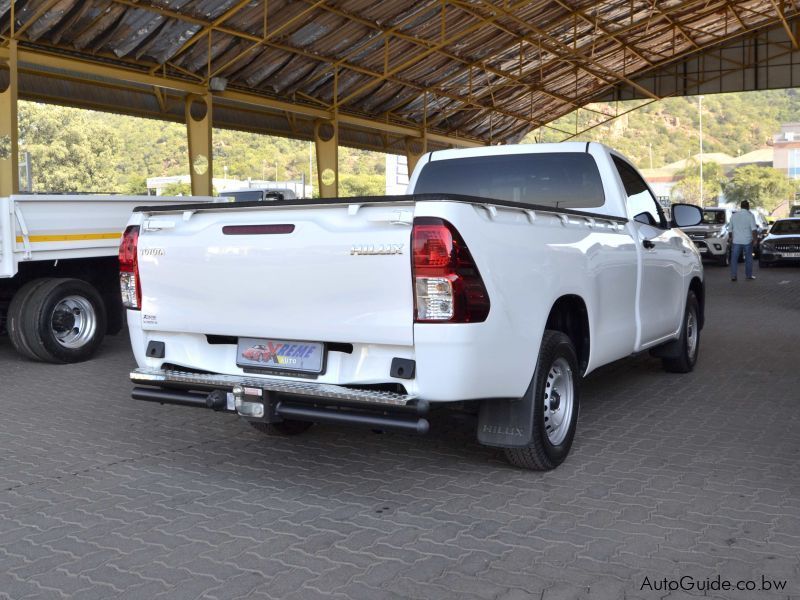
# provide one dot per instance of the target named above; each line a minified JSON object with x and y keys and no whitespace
{"x":667,"y":130}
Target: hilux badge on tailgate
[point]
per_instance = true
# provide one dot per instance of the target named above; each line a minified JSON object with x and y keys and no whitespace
{"x":372,"y":249}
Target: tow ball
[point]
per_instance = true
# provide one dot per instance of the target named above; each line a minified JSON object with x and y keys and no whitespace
{"x":254,"y":403}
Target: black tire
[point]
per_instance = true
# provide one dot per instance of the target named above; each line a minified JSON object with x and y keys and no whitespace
{"x":284,"y":428}
{"x":541,"y":454}
{"x":39,"y":319}
{"x":725,"y":259}
{"x":16,"y":332}
{"x":763,"y":264}
{"x":687,"y":359}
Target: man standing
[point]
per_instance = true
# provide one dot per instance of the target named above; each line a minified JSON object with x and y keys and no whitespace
{"x":743,"y":233}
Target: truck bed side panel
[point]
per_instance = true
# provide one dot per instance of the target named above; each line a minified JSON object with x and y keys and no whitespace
{"x":526,"y":267}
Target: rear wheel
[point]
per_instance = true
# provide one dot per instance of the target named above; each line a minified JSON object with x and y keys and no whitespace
{"x":19,"y":302}
{"x":284,"y":428}
{"x":555,"y":395}
{"x":689,"y":342}
{"x":64,"y":321}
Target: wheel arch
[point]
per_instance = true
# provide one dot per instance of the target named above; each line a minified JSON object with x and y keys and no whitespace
{"x":570,"y":316}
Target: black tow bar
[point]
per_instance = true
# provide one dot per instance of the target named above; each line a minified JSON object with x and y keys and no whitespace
{"x":409,"y":418}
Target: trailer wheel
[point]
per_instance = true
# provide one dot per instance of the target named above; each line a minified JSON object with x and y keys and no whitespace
{"x":284,"y":428}
{"x":16,"y":331}
{"x":64,"y":321}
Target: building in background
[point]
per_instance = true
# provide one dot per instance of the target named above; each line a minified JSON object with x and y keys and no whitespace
{"x":787,"y":150}
{"x":663,"y":179}
{"x":396,"y":175}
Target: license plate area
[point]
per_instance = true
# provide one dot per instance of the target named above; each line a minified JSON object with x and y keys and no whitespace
{"x":790,"y":254}
{"x":281,"y":357}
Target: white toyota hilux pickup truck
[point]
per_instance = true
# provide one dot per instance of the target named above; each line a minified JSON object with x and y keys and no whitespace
{"x":505,"y":276}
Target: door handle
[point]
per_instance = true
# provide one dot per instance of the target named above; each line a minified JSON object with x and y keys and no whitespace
{"x":648,"y":244}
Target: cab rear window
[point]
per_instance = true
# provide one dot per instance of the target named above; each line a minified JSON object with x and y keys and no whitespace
{"x":560,"y":179}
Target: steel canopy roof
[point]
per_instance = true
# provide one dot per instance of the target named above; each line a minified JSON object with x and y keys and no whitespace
{"x":465,"y":72}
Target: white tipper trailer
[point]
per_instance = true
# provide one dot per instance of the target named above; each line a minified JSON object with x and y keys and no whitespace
{"x":59,"y":270}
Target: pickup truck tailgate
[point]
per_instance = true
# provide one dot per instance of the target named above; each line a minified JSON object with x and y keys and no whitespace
{"x":314,"y":273}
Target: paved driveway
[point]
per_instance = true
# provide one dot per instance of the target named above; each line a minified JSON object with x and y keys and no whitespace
{"x":696,"y":476}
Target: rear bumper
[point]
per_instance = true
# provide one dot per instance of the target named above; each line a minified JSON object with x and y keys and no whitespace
{"x":281,"y":399}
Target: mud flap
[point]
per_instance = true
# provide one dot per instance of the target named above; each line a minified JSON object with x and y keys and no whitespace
{"x":671,"y":349}
{"x":506,"y":422}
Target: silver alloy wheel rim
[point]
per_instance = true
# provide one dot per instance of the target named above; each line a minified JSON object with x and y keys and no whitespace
{"x":691,"y":334}
{"x":559,"y":400}
{"x":73,"y":322}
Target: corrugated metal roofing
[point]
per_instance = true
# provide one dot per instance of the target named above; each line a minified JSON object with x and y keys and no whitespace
{"x":483,"y":70}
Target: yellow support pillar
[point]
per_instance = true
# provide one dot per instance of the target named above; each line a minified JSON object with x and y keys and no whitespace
{"x":326,"y":140}
{"x":415,"y":148}
{"x":9,"y":132}
{"x":198,"y":128}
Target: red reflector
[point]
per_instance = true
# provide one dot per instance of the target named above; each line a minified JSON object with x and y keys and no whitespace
{"x":433,"y":246}
{"x":130,"y":284}
{"x":257,"y":229}
{"x":127,"y":249}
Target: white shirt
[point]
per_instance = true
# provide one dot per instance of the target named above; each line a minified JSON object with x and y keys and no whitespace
{"x":742,"y":225}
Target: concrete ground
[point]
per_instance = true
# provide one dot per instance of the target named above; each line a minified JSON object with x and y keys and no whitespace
{"x":671,"y":476}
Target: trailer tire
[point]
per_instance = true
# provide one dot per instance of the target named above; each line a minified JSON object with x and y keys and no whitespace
{"x":14,"y":324}
{"x":64,"y":321}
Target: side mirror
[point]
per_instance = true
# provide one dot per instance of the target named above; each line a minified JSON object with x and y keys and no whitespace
{"x":686,"y":215}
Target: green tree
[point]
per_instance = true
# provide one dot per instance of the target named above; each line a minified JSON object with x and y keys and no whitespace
{"x":760,"y":186}
{"x":688,"y":186}
{"x":177,"y":189}
{"x":71,"y":151}
{"x":136,"y":185}
{"x":362,"y":185}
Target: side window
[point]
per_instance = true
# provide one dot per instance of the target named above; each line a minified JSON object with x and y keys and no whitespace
{"x":641,"y":203}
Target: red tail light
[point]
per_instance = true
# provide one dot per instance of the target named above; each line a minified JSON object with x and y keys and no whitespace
{"x":129,"y":284}
{"x":447,"y":285}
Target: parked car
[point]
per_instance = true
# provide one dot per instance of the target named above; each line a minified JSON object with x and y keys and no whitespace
{"x":506,"y":276}
{"x":711,"y":236}
{"x":782,"y":245}
{"x":259,"y":194}
{"x":761,"y":233}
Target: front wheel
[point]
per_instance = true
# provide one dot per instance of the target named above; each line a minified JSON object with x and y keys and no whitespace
{"x":555,"y":391}
{"x":724,"y":260}
{"x":689,"y":342}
